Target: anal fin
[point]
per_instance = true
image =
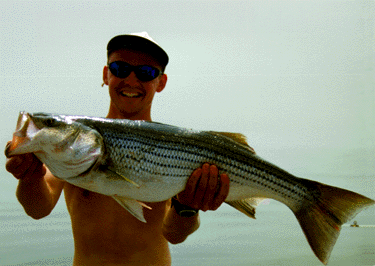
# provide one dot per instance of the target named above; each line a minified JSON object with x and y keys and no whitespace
{"x":246,"y":206}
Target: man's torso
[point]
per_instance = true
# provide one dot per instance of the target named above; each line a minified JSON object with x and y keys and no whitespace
{"x":106,"y":234}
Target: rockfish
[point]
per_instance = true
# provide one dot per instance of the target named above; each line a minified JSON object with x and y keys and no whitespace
{"x":139,"y":161}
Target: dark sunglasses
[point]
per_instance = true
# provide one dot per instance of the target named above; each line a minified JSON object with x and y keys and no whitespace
{"x":144,"y":73}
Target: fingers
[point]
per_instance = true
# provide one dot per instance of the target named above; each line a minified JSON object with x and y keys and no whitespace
{"x":186,"y":197}
{"x":222,"y":193}
{"x":205,"y":189}
{"x":210,"y":174}
{"x":202,"y":187}
{"x":25,"y":166}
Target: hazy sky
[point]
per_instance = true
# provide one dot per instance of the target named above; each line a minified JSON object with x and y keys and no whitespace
{"x":287,"y":74}
{"x":296,"y":77}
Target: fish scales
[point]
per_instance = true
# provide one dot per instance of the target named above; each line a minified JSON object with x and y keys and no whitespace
{"x":134,"y":161}
{"x":174,"y":156}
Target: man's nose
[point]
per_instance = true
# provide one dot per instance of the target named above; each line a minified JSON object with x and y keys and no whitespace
{"x":131,"y":79}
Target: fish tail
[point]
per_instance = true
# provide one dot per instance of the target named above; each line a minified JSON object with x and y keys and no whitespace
{"x":321,"y":219}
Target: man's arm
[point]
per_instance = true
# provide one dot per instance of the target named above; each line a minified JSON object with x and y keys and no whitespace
{"x":205,"y":190}
{"x":38,"y":190}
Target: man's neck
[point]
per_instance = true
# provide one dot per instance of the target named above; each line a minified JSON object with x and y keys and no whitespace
{"x":131,"y":116}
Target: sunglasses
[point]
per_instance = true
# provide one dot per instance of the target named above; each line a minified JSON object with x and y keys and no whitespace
{"x":144,"y":73}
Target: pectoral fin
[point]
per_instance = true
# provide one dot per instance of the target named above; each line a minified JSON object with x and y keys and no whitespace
{"x":133,"y":206}
{"x":122,"y":177}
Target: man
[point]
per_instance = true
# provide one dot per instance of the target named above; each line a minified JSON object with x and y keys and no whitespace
{"x":104,"y":233}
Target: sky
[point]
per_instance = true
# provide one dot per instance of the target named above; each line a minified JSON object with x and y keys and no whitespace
{"x":287,"y":74}
{"x":296,"y":77}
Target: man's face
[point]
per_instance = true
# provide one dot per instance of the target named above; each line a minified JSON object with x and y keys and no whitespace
{"x":131,"y":96}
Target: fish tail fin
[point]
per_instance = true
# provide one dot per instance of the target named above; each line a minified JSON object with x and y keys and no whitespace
{"x":321,"y":219}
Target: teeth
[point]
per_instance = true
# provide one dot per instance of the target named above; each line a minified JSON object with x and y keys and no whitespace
{"x":130,"y":94}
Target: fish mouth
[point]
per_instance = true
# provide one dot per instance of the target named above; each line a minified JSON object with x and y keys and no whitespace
{"x":24,"y":133}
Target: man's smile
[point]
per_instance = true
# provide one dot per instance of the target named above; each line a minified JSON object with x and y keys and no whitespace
{"x":130,"y":94}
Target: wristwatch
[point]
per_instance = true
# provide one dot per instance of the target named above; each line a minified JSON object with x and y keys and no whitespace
{"x":183,"y":210}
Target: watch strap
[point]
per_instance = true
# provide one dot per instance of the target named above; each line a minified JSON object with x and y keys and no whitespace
{"x":183,"y":210}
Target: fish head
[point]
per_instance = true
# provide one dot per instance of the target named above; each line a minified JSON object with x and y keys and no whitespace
{"x":68,"y":148}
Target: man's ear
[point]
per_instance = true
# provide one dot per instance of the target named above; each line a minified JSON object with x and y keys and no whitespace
{"x":162,"y":83}
{"x":105,"y":75}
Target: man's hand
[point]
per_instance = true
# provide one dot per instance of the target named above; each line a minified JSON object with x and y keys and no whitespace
{"x":26,"y":167}
{"x":38,"y":190}
{"x":205,"y":189}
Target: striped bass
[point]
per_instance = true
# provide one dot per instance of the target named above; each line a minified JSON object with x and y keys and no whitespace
{"x":139,"y":161}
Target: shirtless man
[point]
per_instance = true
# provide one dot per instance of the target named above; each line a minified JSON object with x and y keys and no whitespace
{"x":104,"y":233}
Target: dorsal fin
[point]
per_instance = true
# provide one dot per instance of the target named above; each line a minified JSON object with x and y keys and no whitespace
{"x":237,"y":137}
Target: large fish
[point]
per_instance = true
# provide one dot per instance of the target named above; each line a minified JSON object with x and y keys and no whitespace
{"x":138,"y":161}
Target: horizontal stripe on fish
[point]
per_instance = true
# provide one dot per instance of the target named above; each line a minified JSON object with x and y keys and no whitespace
{"x":161,"y":154}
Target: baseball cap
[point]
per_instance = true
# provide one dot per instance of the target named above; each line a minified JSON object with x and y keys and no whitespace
{"x":140,"y":41}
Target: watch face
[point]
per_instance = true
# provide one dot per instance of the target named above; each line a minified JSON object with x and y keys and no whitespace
{"x":183,"y":210}
{"x":187,"y":213}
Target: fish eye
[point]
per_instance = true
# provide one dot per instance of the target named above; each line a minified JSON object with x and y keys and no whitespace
{"x":50,"y":122}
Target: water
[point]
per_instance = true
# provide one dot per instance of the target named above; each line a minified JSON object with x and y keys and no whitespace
{"x":226,"y":237}
{"x":274,"y":238}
